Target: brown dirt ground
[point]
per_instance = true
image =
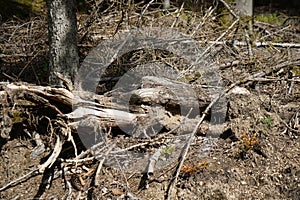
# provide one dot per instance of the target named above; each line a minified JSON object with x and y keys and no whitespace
{"x":262,"y":163}
{"x":267,"y":170}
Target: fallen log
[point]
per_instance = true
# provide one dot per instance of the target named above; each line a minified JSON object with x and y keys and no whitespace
{"x":159,"y":101}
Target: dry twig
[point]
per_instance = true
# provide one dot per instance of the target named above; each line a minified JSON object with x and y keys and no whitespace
{"x":192,"y":134}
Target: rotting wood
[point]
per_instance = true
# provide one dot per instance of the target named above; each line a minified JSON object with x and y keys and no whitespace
{"x":106,"y":110}
{"x":13,"y":92}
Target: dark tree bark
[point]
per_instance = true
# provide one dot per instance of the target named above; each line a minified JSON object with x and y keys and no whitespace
{"x":62,"y":27}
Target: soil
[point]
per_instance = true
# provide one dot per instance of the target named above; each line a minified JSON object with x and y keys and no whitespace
{"x":256,"y":156}
{"x":229,"y":169}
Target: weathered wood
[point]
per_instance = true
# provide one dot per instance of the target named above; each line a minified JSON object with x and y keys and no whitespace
{"x":156,"y":103}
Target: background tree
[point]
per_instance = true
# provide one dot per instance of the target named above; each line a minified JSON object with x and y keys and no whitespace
{"x":62,"y":27}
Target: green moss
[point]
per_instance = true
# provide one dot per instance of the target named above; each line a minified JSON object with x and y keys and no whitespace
{"x":190,"y":78}
{"x":271,"y":18}
{"x":17,"y":116}
{"x":158,"y":15}
{"x":296,"y":70}
{"x":225,"y":20}
{"x":224,"y":17}
{"x":279,"y":39}
{"x":35,"y":6}
{"x":23,"y":9}
{"x":186,"y":17}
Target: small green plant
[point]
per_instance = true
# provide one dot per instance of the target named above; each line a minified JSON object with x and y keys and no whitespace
{"x":267,"y":120}
{"x":168,"y":150}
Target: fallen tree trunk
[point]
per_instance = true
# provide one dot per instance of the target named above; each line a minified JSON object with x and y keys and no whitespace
{"x":160,"y":101}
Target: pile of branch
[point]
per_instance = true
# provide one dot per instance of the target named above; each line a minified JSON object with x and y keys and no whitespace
{"x":108,"y":114}
{"x":151,"y":106}
{"x":101,"y":110}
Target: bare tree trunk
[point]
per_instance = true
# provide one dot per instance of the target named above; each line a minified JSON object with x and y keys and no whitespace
{"x":62,"y":27}
{"x":245,"y":7}
{"x":166,"y":4}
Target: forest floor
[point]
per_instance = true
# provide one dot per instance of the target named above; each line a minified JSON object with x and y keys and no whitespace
{"x":256,"y":155}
